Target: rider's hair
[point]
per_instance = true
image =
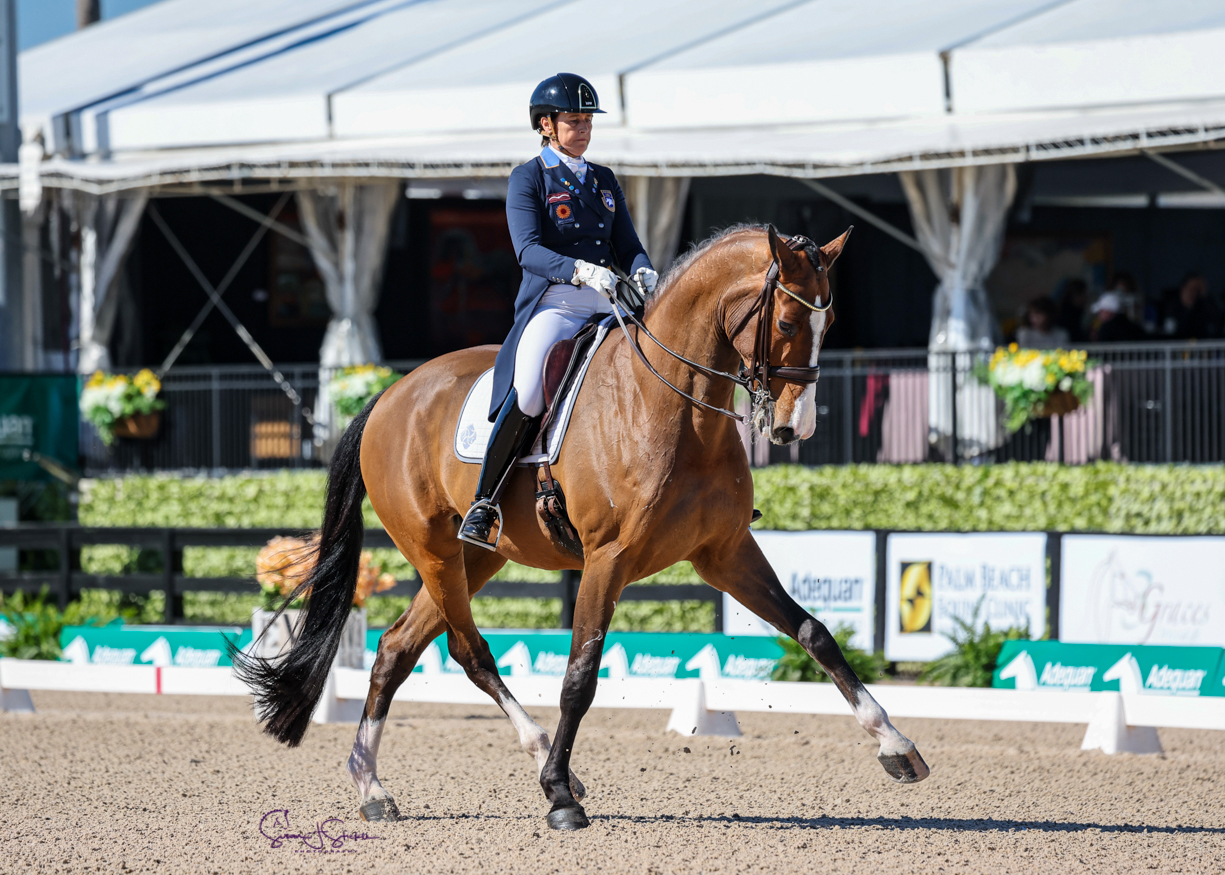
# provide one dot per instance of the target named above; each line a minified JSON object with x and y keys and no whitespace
{"x":544,"y":139}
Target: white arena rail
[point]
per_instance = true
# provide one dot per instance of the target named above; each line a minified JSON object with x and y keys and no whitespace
{"x":1117,"y":722}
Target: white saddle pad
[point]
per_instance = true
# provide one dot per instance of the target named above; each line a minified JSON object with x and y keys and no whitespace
{"x":473,"y":428}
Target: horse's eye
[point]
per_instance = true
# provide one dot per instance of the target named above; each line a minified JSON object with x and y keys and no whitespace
{"x":787,"y":328}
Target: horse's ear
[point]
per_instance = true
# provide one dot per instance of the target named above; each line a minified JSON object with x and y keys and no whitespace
{"x":775,"y":244}
{"x":831,"y":250}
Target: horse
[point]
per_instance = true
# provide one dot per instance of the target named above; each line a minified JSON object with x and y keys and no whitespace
{"x":654,"y":470}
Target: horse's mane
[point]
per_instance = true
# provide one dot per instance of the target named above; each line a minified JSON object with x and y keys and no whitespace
{"x":686,"y":260}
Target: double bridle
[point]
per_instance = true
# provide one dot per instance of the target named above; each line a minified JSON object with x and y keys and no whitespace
{"x":755,"y":379}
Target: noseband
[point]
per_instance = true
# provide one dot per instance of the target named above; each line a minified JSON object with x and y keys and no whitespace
{"x":755,"y":378}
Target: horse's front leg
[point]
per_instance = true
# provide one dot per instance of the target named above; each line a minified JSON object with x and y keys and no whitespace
{"x":742,"y":571}
{"x":592,"y":613}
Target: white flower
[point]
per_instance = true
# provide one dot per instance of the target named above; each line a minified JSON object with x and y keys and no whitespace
{"x":1007,"y":374}
{"x":1066,"y":384}
{"x":1033,"y":376}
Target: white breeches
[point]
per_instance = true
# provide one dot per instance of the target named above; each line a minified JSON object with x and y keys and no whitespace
{"x":559,"y":315}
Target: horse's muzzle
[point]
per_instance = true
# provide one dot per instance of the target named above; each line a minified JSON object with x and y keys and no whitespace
{"x":783,"y":435}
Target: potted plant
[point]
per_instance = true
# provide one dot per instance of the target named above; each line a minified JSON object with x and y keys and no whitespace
{"x":1035,"y":384}
{"x":123,"y":406}
{"x":352,"y":388}
{"x":280,"y":567}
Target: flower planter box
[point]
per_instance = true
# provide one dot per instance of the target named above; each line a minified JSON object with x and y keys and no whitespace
{"x":282,"y":635}
{"x":138,"y":426}
{"x":1058,"y":403}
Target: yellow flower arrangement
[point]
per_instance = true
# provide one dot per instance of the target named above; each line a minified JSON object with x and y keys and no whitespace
{"x":108,"y":398}
{"x":1027,"y":378}
{"x":352,"y":388}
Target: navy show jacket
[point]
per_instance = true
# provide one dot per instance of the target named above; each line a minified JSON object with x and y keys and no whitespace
{"x":554,"y":221}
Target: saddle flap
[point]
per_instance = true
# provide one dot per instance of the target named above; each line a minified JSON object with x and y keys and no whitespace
{"x":561,"y":363}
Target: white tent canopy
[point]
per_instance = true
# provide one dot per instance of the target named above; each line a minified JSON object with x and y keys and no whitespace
{"x":436,"y":88}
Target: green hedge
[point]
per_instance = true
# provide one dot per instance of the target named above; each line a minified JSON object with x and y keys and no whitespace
{"x":1159,"y":499}
{"x":1150,"y":499}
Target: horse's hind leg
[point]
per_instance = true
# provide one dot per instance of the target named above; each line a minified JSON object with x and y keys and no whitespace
{"x":399,"y":649}
{"x":742,"y":571}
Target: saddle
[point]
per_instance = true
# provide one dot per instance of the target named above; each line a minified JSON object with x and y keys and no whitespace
{"x":560,"y":367}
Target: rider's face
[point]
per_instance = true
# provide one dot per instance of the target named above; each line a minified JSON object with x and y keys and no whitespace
{"x":572,"y":132}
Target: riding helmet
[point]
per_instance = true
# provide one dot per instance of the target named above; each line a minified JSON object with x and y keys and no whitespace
{"x":565,"y":92}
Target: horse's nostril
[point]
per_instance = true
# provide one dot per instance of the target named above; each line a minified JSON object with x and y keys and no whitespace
{"x":785,"y":435}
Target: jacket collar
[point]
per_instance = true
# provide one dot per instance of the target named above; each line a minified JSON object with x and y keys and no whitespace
{"x":560,"y":171}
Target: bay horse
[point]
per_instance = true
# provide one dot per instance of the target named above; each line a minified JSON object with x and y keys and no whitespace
{"x":652,"y":478}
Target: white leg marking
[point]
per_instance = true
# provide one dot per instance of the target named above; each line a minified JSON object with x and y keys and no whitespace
{"x":536,"y":742}
{"x":362,"y":761}
{"x":875,"y":721}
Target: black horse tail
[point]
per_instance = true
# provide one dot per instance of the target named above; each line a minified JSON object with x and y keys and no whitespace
{"x":288,"y":687}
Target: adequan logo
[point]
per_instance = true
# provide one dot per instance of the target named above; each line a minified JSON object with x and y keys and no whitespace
{"x":915,"y":597}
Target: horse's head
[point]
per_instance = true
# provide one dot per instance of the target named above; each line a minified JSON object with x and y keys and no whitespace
{"x":799,"y":321}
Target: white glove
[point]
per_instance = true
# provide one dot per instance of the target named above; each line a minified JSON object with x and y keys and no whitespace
{"x":647,"y":278}
{"x":599,"y":278}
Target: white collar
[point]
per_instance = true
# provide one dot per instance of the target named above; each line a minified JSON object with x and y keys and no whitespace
{"x":576,"y":165}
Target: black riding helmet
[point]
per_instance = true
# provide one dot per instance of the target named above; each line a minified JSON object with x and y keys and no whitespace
{"x":565,"y":92}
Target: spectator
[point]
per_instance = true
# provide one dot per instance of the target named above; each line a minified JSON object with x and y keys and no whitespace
{"x":1040,"y":330}
{"x":1190,"y":315}
{"x":1110,"y":323}
{"x":1072,"y":302}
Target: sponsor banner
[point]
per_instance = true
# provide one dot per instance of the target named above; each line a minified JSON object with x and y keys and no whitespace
{"x":1131,"y":590}
{"x":191,"y":647}
{"x":1153,"y":670}
{"x":626,"y":654}
{"x":1218,"y":687}
{"x":933,"y":580}
{"x":831,"y":574}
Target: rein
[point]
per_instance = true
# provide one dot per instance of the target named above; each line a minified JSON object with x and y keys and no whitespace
{"x":755,"y":379}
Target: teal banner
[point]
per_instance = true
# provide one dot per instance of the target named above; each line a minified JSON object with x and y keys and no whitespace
{"x":38,"y":413}
{"x":517,"y":653}
{"x":626,"y":654}
{"x":1154,"y":670}
{"x":117,"y":644}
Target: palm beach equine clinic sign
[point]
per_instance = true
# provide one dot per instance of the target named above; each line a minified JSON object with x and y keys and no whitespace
{"x":934,"y":579}
{"x":831,"y":574}
{"x":1137,"y":590}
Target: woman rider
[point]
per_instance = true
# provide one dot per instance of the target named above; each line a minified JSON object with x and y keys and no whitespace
{"x":569,"y":225}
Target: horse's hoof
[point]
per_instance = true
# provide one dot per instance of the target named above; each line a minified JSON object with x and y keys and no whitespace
{"x":568,"y":818}
{"x":577,"y":790}
{"x":379,"y":811}
{"x":906,"y":767}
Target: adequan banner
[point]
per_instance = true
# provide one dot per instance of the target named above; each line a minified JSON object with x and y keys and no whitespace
{"x":1160,"y":671}
{"x":1117,"y":589}
{"x":934,"y":579}
{"x":536,"y":652}
{"x":831,"y":574}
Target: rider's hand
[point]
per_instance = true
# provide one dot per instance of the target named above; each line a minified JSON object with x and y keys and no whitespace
{"x":599,"y":278}
{"x":647,"y":278}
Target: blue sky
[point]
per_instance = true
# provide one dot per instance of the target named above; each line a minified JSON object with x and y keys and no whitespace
{"x":41,"y":20}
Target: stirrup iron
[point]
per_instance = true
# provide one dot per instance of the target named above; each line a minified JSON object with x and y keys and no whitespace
{"x":497,"y":509}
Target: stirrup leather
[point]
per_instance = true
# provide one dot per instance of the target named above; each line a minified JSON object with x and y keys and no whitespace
{"x":497,"y":509}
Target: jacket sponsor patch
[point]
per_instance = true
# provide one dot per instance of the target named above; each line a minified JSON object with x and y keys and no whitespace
{"x":607,"y":197}
{"x":558,"y":198}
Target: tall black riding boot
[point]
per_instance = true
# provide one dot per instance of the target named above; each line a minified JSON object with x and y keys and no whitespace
{"x":513,"y":433}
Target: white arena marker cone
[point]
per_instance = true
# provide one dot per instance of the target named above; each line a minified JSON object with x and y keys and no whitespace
{"x":690,"y":716}
{"x":16,"y":701}
{"x":1108,"y":730}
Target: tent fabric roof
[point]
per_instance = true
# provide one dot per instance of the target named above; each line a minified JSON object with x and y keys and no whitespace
{"x":184,"y":92}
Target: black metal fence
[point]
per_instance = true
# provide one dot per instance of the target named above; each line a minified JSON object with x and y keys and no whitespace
{"x":1153,"y":402}
{"x":67,"y":579}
